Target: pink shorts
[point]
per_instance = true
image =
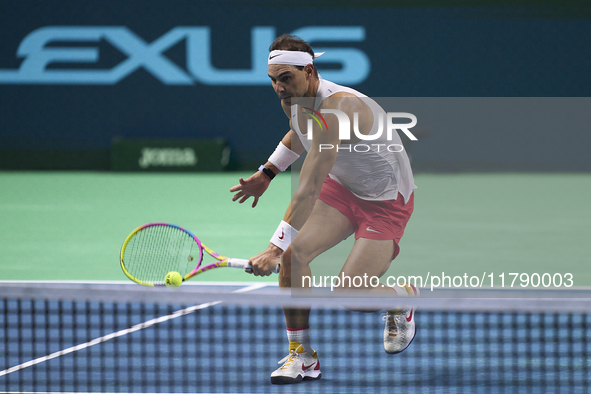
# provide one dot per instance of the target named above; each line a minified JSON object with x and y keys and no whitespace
{"x":379,"y":220}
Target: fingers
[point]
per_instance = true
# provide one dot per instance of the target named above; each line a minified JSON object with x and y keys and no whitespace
{"x":238,"y":187}
{"x":260,"y":273}
{"x":248,"y":188}
{"x":243,"y":197}
{"x":256,"y":271}
{"x":237,"y":196}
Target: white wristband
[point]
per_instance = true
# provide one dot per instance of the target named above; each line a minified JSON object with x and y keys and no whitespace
{"x":283,"y":235}
{"x":283,"y":157}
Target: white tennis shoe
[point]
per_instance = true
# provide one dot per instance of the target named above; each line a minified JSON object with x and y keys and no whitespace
{"x":298,"y":365}
{"x":400,"y":327}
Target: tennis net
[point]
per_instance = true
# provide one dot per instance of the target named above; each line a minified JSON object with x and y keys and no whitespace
{"x":124,"y":338}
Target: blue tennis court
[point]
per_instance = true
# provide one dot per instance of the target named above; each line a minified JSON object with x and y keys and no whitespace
{"x":112,"y":346}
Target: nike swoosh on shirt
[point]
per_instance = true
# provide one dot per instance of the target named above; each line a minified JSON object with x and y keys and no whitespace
{"x":372,"y":230}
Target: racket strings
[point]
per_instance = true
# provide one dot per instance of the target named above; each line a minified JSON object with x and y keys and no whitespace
{"x":156,"y":250}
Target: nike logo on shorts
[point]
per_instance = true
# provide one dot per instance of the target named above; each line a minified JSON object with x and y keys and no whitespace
{"x":372,"y":230}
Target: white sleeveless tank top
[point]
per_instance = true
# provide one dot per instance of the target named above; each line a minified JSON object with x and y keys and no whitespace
{"x":375,"y":175}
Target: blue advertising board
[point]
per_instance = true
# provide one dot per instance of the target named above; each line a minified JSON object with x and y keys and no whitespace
{"x":75,"y":76}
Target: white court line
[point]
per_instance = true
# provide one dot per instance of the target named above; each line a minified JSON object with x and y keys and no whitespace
{"x":253,"y":286}
{"x":117,"y":334}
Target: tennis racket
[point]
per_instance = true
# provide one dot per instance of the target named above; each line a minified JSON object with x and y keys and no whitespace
{"x":155,"y":249}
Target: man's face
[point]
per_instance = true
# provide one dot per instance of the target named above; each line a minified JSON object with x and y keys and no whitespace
{"x":288,"y":81}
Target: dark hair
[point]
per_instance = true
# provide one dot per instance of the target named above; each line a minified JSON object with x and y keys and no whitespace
{"x":288,"y":42}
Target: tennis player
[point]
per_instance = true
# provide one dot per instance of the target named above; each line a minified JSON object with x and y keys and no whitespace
{"x":344,"y":189}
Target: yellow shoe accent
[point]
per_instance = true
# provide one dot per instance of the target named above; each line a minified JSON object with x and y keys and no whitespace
{"x":296,"y":346}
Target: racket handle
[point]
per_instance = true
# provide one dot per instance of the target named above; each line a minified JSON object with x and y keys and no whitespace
{"x":241,"y":263}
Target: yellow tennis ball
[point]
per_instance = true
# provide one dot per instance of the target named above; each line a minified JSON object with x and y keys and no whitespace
{"x":173,"y":280}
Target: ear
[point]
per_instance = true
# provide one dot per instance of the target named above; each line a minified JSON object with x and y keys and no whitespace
{"x":309,"y":69}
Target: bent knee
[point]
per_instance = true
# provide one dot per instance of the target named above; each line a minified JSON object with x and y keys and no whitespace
{"x":294,"y":257}
{"x":300,"y":255}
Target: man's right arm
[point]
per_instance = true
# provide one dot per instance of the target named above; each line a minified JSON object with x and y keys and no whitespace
{"x":264,"y":263}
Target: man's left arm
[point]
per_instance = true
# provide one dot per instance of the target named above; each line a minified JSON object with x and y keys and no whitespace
{"x":257,"y":184}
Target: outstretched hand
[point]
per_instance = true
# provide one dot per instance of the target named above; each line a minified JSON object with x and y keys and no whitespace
{"x":254,"y":186}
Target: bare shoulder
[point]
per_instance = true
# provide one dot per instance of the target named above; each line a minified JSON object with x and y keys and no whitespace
{"x":354,"y":107}
{"x":342,"y":94}
{"x":346,"y":102}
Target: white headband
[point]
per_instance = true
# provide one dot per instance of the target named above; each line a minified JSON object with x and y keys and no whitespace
{"x":296,"y":58}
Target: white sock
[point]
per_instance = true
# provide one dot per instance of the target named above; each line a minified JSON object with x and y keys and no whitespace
{"x":301,"y":336}
{"x":400,"y":291}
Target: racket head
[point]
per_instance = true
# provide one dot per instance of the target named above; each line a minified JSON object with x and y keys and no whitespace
{"x":155,"y":249}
